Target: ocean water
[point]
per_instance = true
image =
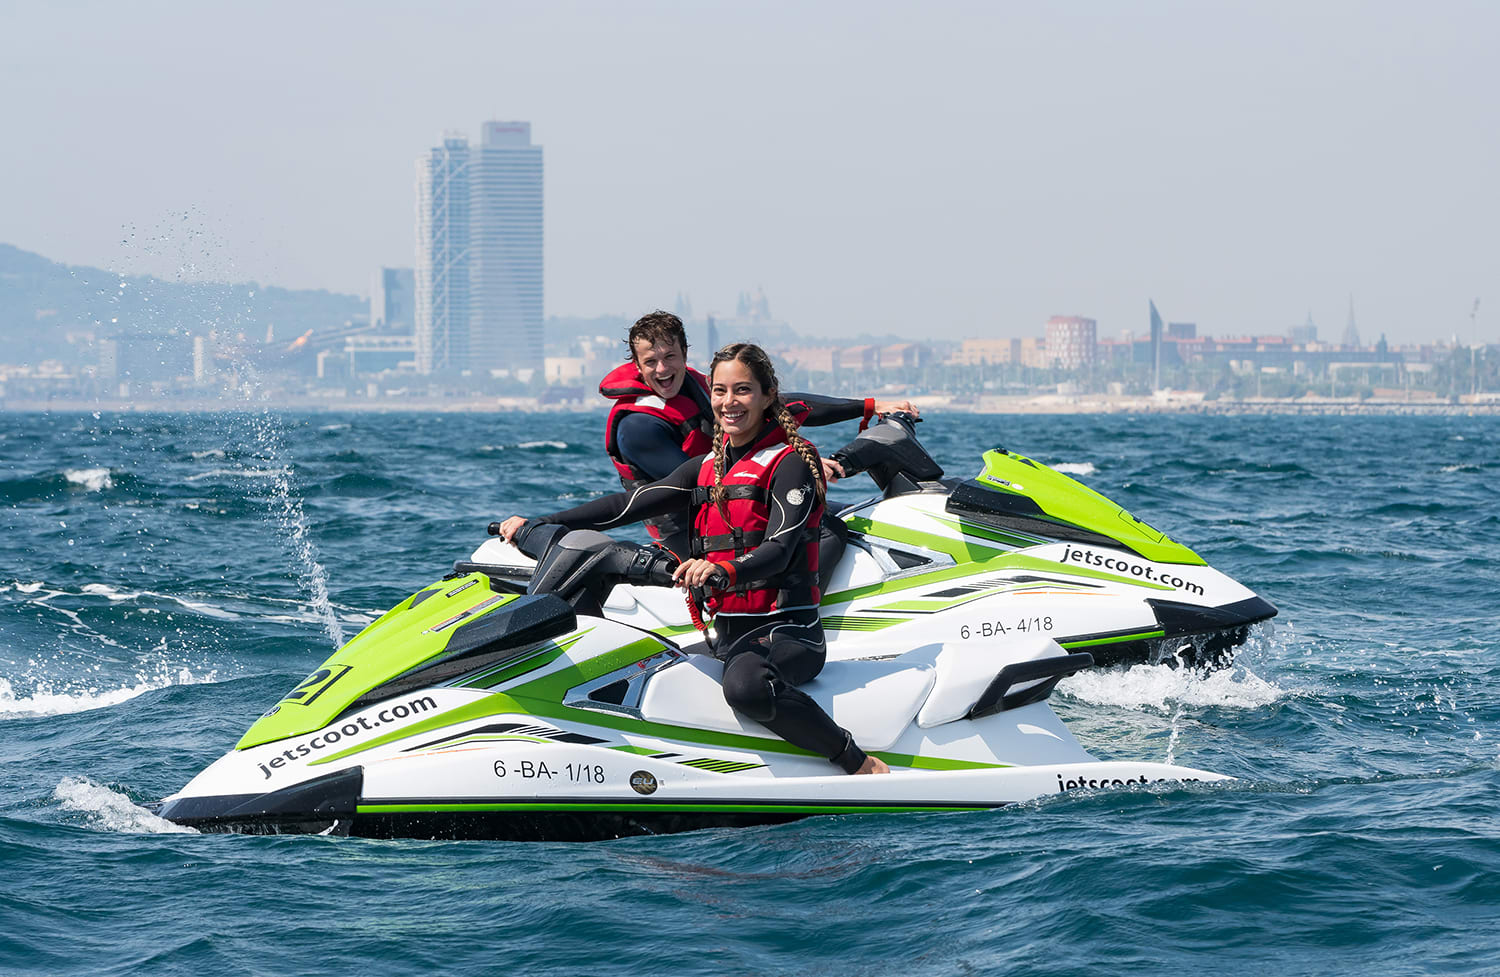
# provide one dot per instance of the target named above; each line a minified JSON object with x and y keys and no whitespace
{"x":164,"y":578}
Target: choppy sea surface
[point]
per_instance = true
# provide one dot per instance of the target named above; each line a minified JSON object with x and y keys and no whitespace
{"x":166,"y":577}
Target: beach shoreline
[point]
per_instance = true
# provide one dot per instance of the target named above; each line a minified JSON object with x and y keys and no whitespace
{"x":1170,"y":402}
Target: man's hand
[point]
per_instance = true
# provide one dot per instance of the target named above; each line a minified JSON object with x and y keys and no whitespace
{"x":891,"y":406}
{"x":511,"y":526}
{"x":832,"y":470}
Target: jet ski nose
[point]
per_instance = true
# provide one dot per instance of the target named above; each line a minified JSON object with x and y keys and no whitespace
{"x":323,"y":805}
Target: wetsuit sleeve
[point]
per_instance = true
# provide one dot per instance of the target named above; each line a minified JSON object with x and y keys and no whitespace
{"x":830,"y":410}
{"x":791,"y":503}
{"x":650,"y":444}
{"x":659,"y":498}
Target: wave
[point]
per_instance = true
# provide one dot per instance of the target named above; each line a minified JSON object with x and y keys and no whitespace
{"x":32,"y":488}
{"x":110,"y":810}
{"x":1160,"y":687}
{"x":357,"y":484}
{"x":210,"y":453}
{"x":43,"y":701}
{"x":92,"y":479}
{"x":1074,"y":468}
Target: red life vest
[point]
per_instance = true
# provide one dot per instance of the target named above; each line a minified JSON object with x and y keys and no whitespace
{"x":747,"y":486}
{"x":632,"y":395}
{"x":625,"y":386}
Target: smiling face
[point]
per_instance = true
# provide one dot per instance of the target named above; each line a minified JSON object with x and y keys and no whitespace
{"x":663,"y":366}
{"x":739,"y":401}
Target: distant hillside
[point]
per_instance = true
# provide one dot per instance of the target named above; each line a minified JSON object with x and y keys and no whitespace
{"x":42,"y":303}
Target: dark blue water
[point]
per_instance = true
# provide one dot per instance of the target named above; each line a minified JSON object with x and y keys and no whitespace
{"x":163,"y":578}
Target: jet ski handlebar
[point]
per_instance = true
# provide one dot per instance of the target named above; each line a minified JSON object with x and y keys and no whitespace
{"x":892,"y":455}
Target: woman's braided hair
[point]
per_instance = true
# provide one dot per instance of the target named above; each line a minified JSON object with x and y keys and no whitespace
{"x":760,"y":367}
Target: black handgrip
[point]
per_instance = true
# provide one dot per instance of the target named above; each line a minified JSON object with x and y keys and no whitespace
{"x":718,"y":580}
{"x":494,"y":529}
{"x":652,"y":566}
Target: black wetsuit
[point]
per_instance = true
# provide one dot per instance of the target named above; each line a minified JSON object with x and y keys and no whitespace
{"x":653,"y":447}
{"x":765,"y":655}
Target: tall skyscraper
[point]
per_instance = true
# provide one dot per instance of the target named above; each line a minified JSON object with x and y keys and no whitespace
{"x":479,"y":253}
{"x":442,"y":271}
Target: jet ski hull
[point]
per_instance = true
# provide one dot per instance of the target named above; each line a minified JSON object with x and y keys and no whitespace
{"x":335,"y":806}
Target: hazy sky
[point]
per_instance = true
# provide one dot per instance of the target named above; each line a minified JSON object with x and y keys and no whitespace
{"x":925,"y":169}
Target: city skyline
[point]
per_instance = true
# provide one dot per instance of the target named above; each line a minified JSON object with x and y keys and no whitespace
{"x":904,"y":168}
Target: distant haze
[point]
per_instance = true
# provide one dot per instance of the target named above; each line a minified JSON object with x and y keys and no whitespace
{"x":942,"y":169}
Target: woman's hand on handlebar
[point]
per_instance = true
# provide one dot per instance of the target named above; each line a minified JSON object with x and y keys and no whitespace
{"x":832,"y":470}
{"x":696,"y":573}
{"x":510,"y":527}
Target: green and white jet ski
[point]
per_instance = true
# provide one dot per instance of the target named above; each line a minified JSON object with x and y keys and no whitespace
{"x":472,"y":711}
{"x":1021,"y":550}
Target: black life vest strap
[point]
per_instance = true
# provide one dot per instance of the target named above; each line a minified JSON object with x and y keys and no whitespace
{"x":736,"y":539}
{"x":703,"y":494}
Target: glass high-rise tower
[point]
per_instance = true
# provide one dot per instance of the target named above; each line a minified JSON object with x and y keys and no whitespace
{"x":479,"y":253}
{"x":442,"y":270}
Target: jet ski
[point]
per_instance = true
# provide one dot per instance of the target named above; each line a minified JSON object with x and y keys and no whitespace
{"x":1020,"y":550}
{"x":470,"y":710}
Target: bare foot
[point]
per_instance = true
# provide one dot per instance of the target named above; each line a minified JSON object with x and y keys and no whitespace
{"x":873,"y":764}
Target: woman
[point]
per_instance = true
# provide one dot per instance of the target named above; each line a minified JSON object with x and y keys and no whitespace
{"x":755,"y":503}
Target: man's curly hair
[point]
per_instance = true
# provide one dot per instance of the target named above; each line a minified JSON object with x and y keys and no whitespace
{"x":657,"y":328}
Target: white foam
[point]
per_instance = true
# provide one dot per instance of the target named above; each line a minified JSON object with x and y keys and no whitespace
{"x":1074,"y":468}
{"x":334,"y":427}
{"x":115,"y":594}
{"x":1159,"y":687}
{"x":93,"y":479}
{"x":1449,"y":469}
{"x":105,"y":590}
{"x":43,"y":701}
{"x":559,"y":445}
{"x":110,"y":810}
{"x":210,"y":453}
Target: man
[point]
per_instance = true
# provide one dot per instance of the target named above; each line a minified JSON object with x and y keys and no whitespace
{"x":661,"y":416}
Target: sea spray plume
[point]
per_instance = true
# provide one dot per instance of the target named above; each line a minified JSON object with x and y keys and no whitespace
{"x":291,"y":520}
{"x":225,"y":315}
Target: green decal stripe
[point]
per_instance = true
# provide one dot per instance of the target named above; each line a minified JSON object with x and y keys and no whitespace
{"x":840,"y":622}
{"x":544,"y":656}
{"x":996,"y":561}
{"x":959,"y":549}
{"x":490,"y":738}
{"x":933,"y":762}
{"x":721,"y":766}
{"x":613,"y":806}
{"x":1111,"y":639}
{"x":932,"y":605}
{"x":1018,"y":540}
{"x":553,"y":685}
{"x":927,"y":605}
{"x":637,"y":750}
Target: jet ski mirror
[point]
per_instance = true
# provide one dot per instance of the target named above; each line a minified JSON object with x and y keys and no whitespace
{"x":891,"y":453}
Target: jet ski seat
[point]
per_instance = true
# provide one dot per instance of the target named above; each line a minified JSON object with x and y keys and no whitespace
{"x":873,"y":700}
